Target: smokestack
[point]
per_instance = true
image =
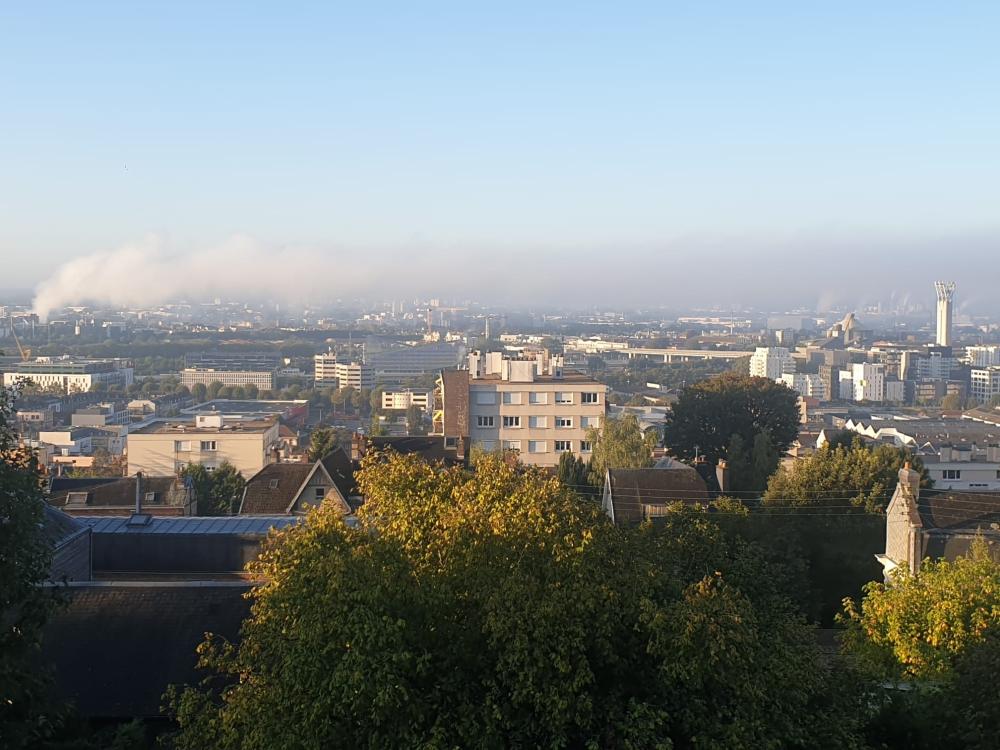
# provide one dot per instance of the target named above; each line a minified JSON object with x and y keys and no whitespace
{"x":945,"y":292}
{"x":138,"y":492}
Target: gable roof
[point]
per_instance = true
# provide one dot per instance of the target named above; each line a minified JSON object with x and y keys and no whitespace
{"x":959,"y":511}
{"x":341,"y":470}
{"x":116,"y":647}
{"x":636,"y":492}
{"x":273,"y":489}
{"x":429,"y":447}
{"x":60,"y":528}
{"x":119,"y":492}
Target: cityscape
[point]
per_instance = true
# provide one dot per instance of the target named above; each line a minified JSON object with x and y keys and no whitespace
{"x":565,"y":377}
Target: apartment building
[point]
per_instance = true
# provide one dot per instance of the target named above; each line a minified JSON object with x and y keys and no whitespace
{"x":531,"y":406}
{"x":72,"y":375}
{"x":325,"y":369}
{"x":982,"y":356}
{"x":164,"y":447}
{"x":354,"y":375}
{"x":771,"y":362}
{"x":806,"y":384}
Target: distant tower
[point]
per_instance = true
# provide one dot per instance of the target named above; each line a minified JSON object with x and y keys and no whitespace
{"x":487,"y":331}
{"x":945,"y":291}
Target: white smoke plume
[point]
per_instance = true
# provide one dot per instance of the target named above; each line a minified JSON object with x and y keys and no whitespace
{"x":150,"y":272}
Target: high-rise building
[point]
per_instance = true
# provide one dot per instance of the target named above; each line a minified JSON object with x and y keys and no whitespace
{"x":325,"y":367}
{"x":771,"y":362}
{"x":945,"y":292}
{"x":982,"y":356}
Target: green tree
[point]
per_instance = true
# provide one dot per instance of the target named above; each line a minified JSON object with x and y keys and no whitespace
{"x":199,"y":392}
{"x":937,"y":632}
{"x":104,"y":465}
{"x":25,"y":715}
{"x":218,"y":492}
{"x":860,"y":475}
{"x":492,"y":609}
{"x":322,"y":443}
{"x":251,"y":391}
{"x":415,"y":420}
{"x":574,"y":473}
{"x":213,"y":390}
{"x":707,"y":415}
{"x":619,"y":444}
{"x":952,"y":402}
{"x":764,"y":459}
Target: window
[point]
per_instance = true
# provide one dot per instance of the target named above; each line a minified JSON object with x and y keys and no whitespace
{"x":564,"y":421}
{"x":450,"y":442}
{"x":588,"y":422}
{"x":536,"y":446}
{"x":512,"y":445}
{"x":182,"y":446}
{"x":486,"y":398}
{"x":538,"y":398}
{"x":538,"y":423}
{"x":209,"y":445}
{"x":511,"y":421}
{"x":150,"y":497}
{"x":562,"y":446}
{"x":952,"y":474}
{"x":319,"y":494}
{"x":564,"y":398}
{"x":273,"y":484}
{"x":485,"y":421}
{"x":512,"y":398}
{"x":586,"y":446}
{"x":588,"y":398}
{"x":488,"y":445}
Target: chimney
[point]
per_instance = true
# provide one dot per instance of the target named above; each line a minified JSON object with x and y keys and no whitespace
{"x":138,"y":492}
{"x":359,"y":446}
{"x":722,"y":476}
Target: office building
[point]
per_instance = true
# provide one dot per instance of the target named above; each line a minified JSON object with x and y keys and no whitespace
{"x":984,"y":383}
{"x":415,"y":361}
{"x":235,"y":361}
{"x":531,"y":406}
{"x":325,"y":369}
{"x":771,"y":362}
{"x":982,"y":356}
{"x":70,"y":375}
{"x":164,"y":447}
{"x":262,"y":379}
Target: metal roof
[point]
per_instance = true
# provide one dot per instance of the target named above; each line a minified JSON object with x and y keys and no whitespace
{"x":191,"y":524}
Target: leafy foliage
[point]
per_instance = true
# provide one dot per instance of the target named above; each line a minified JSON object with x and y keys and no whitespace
{"x":495,"y":609}
{"x":619,"y":444}
{"x":24,"y":607}
{"x":856,"y":474}
{"x":218,"y":492}
{"x":708,"y":414}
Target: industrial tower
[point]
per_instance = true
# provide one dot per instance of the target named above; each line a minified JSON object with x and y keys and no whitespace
{"x":945,"y":291}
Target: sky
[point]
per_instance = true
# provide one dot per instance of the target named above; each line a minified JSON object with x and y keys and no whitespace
{"x":689,"y":152}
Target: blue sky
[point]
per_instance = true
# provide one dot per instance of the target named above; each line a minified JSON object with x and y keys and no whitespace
{"x":627,"y":133}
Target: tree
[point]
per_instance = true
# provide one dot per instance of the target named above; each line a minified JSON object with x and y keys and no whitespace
{"x":492,"y":609}
{"x":620,"y":444}
{"x":708,"y":414}
{"x":104,"y":465}
{"x":415,"y":420}
{"x":24,"y":605}
{"x":857,"y":475}
{"x":213,"y":390}
{"x":574,"y":474}
{"x":218,"y":492}
{"x":952,"y":402}
{"x":199,"y":392}
{"x":322,"y":443}
{"x":937,"y":632}
{"x":251,"y":391}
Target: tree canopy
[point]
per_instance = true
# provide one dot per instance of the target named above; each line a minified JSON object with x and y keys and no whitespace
{"x":619,"y":444}
{"x":218,"y":492}
{"x":24,"y":606}
{"x":706,"y":415}
{"x":855,"y":474}
{"x":493,"y":609}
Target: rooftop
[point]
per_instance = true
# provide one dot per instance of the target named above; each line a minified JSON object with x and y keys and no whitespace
{"x":252,"y":525}
{"x":187,"y":427}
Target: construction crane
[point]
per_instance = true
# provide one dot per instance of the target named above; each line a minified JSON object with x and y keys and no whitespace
{"x":25,"y":353}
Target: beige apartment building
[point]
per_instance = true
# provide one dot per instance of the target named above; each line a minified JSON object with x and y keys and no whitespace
{"x":534,"y":407}
{"x":163,"y":448}
{"x":264,"y":380}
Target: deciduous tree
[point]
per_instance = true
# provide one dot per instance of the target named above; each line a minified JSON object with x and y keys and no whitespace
{"x":708,"y":414}
{"x":619,"y":444}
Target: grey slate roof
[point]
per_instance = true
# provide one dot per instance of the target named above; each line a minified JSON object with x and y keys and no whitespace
{"x":116,"y":647}
{"x":273,"y":489}
{"x":254,"y":525}
{"x":632,"y":490}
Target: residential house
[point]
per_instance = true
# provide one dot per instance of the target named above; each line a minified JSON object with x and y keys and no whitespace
{"x":294,"y":488}
{"x":632,"y":496}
